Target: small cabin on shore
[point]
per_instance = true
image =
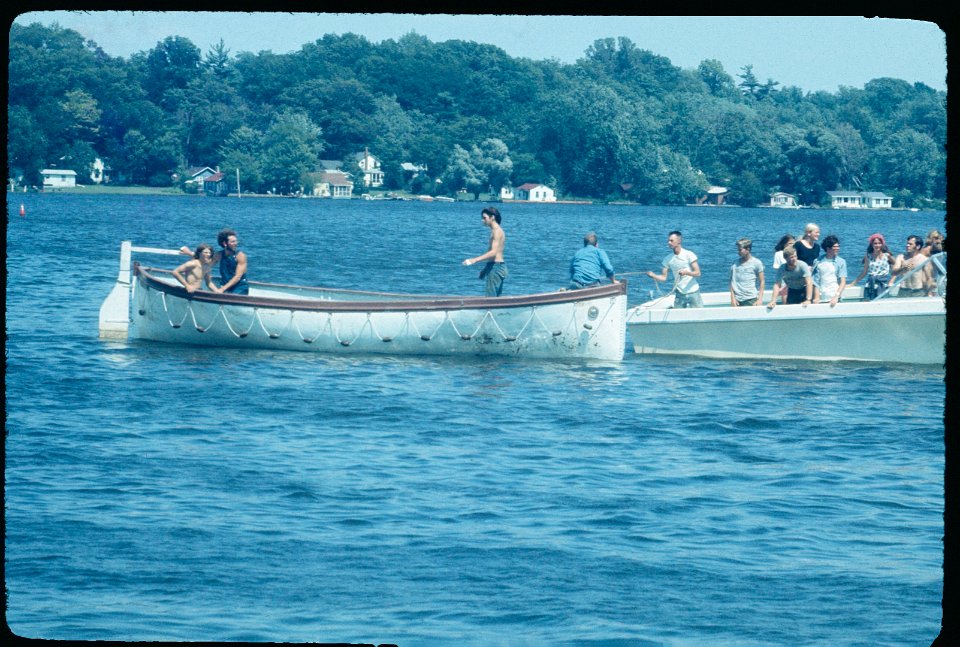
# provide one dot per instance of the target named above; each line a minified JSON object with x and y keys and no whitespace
{"x":532,"y":192}
{"x":332,"y":184}
{"x":715,"y":195}
{"x":198,"y":175}
{"x":54,"y":178}
{"x":784,"y":200}
{"x":215,"y":185}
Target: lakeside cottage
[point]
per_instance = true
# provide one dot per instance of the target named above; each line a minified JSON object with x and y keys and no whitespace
{"x":715,"y":195}
{"x":781,"y":199}
{"x":58,"y":178}
{"x":198,"y":175}
{"x":332,"y":184}
{"x":859,"y":200}
{"x":532,"y":192}
{"x":215,"y":185}
{"x":370,"y":165}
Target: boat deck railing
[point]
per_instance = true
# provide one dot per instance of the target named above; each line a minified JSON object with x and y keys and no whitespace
{"x":939,"y":262}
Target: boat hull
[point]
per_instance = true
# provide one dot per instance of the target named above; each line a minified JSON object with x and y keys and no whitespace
{"x":578,"y":324}
{"x":889,"y":330}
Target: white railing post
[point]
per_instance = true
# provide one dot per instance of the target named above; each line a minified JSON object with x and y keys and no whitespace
{"x":115,"y":309}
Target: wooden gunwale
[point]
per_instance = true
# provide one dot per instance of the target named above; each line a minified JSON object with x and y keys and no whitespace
{"x":418,"y":303}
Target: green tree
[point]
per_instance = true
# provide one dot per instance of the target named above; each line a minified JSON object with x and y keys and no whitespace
{"x":909,"y":160}
{"x":749,"y":84}
{"x":492,"y":159}
{"x":26,"y":146}
{"x":243,"y":151}
{"x":291,"y":149}
{"x":718,"y":81}
{"x":462,"y":173}
{"x":217,"y":60}
{"x":83,"y":114}
{"x":172,"y":64}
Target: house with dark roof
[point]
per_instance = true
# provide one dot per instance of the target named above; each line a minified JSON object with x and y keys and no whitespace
{"x":215,"y":185}
{"x":331,"y":184}
{"x":197,"y":174}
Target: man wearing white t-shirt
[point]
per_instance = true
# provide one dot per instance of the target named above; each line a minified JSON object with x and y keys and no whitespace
{"x":683,"y":264}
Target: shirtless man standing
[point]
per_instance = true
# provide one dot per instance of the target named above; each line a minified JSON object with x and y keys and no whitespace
{"x":495,"y":271}
{"x":917,"y":284}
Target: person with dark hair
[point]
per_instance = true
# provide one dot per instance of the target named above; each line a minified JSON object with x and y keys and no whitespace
{"x":876,"y":267}
{"x":195,"y":272}
{"x":589,"y":264}
{"x":233,"y":264}
{"x":918,"y":283}
{"x":829,"y":273}
{"x":938,"y":271}
{"x":683,"y":263}
{"x":495,"y":271}
{"x":786,"y":239}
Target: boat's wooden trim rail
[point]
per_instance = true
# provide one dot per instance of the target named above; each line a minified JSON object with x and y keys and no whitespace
{"x":378,"y":304}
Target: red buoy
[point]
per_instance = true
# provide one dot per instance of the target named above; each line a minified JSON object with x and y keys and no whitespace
{"x":23,"y":211}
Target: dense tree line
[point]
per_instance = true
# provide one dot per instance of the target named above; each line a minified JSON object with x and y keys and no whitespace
{"x":620,"y":122}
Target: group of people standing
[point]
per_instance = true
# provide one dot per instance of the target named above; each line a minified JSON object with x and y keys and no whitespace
{"x":807,"y":271}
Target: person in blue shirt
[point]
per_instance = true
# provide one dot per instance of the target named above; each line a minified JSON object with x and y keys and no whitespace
{"x":590,"y":264}
{"x":829,"y":273}
{"x":233,"y":264}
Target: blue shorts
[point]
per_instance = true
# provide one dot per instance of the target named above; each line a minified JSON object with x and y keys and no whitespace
{"x":495,"y":273}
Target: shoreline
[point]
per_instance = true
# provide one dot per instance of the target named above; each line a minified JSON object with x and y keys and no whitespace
{"x":85,"y":189}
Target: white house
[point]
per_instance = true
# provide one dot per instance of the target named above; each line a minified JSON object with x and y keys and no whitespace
{"x":506,"y":193}
{"x":333,"y":184}
{"x":370,"y":165}
{"x":845,"y":199}
{"x":54,"y":178}
{"x":97,"y":171}
{"x":535,"y":193}
{"x":781,"y":199}
{"x":198,"y":174}
{"x":859,"y":200}
{"x":876,"y":200}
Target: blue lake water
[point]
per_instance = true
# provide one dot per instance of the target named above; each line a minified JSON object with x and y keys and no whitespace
{"x":156,"y":492}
